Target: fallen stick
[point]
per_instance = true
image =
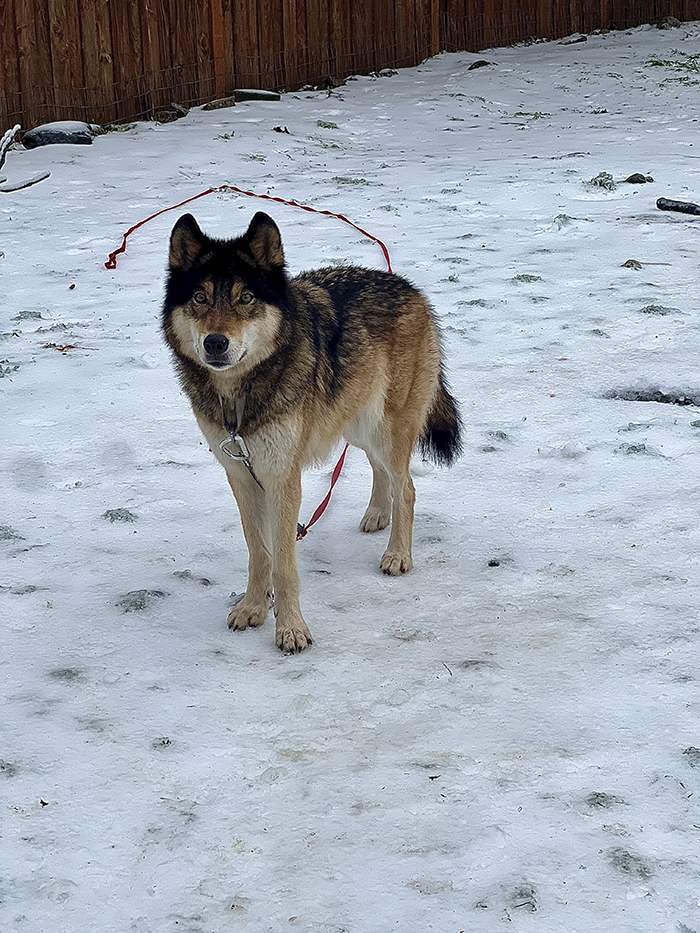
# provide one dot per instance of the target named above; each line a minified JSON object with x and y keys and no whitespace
{"x":683,"y":207}
{"x":27,"y":183}
{"x":637,"y":264}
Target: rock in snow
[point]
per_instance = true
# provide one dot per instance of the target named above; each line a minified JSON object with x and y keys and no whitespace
{"x":63,"y":131}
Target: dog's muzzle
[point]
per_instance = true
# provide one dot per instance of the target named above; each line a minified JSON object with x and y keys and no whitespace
{"x":216,"y":350}
{"x":219,"y":353}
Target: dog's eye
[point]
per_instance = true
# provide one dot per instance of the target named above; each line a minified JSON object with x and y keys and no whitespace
{"x":200,"y":297}
{"x":246,"y":298}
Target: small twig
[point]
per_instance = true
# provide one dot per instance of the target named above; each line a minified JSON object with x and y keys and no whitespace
{"x":65,"y":347}
{"x":446,"y":668}
{"x":637,"y":264}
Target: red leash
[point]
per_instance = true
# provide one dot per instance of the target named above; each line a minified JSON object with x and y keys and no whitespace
{"x":112,"y":260}
{"x":302,"y":530}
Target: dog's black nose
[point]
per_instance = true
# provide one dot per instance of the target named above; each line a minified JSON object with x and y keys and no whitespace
{"x":216,"y":344}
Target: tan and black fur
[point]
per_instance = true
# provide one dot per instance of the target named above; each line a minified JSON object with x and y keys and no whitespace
{"x":341,"y":352}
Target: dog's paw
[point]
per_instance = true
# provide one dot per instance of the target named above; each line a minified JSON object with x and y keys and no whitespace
{"x":248,"y":614}
{"x":394,"y":564}
{"x":375,"y":520}
{"x":292,"y":636}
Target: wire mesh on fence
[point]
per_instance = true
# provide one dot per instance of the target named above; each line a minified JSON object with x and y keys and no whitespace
{"x":132,"y":59}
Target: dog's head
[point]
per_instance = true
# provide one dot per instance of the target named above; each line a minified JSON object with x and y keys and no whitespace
{"x":223,"y":297}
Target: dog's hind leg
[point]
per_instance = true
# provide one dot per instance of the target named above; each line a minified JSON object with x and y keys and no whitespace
{"x":397,"y":557}
{"x":252,"y":610}
{"x":292,"y":634}
{"x":378,"y":512}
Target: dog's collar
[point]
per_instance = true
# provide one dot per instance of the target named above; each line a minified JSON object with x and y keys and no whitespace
{"x":234,"y":437}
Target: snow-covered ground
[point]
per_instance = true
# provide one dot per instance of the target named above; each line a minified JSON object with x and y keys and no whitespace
{"x":508,"y":735}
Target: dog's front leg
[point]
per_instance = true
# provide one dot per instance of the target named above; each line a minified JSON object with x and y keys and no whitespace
{"x":292,"y":634}
{"x":252,"y":610}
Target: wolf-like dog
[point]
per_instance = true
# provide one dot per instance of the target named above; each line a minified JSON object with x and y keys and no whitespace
{"x":278,"y":369}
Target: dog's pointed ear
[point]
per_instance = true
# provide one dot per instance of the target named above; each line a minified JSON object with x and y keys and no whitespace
{"x":264,"y":242}
{"x":186,"y":242}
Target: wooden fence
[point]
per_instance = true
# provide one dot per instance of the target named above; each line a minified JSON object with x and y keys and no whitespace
{"x":106,"y":61}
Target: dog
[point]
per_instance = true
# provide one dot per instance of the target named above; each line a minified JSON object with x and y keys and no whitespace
{"x":278,"y":369}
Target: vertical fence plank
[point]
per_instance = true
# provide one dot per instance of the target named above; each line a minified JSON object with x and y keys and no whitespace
{"x":317,"y":50}
{"x":435,"y":27}
{"x":128,"y":61}
{"x":98,"y":67}
{"x":217,"y":46}
{"x":204,"y":14}
{"x":11,"y":107}
{"x":616,"y":10}
{"x":385,"y":33}
{"x":294,"y":31}
{"x":339,"y":37}
{"x":34,"y":60}
{"x":227,"y":46}
{"x":289,"y":32}
{"x":525,"y":20}
{"x":270,"y":33}
{"x":424,"y":29}
{"x":361,"y":20}
{"x":592,"y":15}
{"x":183,"y":52}
{"x":66,"y":59}
{"x":405,"y":17}
{"x":509,"y":20}
{"x":543,"y":19}
{"x":474,"y":29}
{"x":464,"y":27}
{"x":245,"y":43}
{"x":155,"y":35}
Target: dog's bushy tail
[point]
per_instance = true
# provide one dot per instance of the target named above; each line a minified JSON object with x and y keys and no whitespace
{"x":441,"y":440}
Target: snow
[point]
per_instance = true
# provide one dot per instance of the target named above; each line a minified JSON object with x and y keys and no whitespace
{"x":509,"y":734}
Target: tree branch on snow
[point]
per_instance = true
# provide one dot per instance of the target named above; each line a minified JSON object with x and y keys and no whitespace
{"x":27,"y":183}
{"x":6,"y":141}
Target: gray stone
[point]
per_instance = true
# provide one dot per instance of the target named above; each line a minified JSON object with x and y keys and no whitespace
{"x":63,"y":131}
{"x":241,"y":94}
{"x":220,"y":104}
{"x":170,"y":114}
